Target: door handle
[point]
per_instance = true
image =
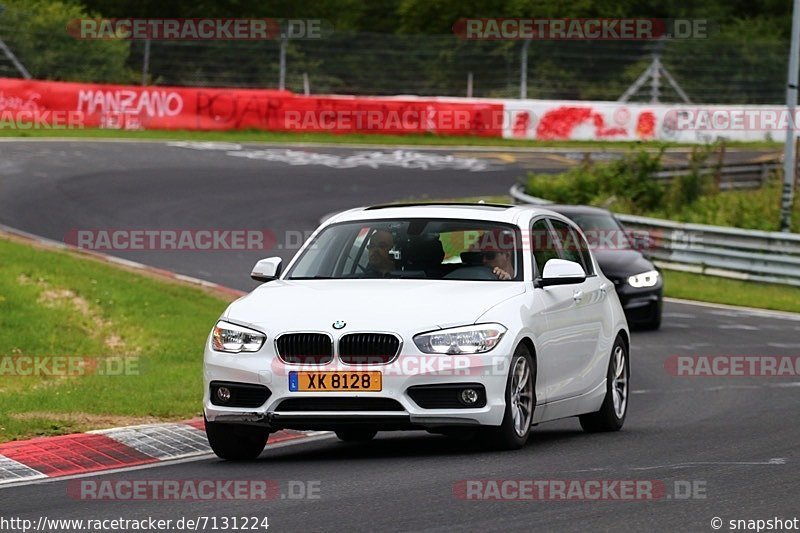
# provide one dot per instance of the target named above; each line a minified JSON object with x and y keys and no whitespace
{"x":577,"y":296}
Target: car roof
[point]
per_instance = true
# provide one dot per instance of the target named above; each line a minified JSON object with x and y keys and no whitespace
{"x":566,"y":209}
{"x":468,"y":211}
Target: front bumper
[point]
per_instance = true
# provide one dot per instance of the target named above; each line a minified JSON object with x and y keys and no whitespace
{"x":410,"y":369}
{"x":641,"y":306}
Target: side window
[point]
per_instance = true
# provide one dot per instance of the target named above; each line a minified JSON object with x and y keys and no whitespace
{"x":572,"y":245}
{"x":543,"y":244}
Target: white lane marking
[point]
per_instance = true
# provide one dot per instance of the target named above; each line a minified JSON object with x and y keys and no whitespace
{"x":779,"y":385}
{"x":375,"y":159}
{"x":693,"y":346}
{"x":773,"y":461}
{"x":11,"y":471}
{"x":678,"y":315}
{"x":312,"y":437}
{"x":205,"y":145}
{"x":738,"y":326}
{"x":784,"y":344}
{"x":765,"y":313}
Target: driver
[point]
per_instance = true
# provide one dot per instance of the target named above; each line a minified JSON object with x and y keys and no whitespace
{"x":381,"y":263}
{"x":496,"y":248}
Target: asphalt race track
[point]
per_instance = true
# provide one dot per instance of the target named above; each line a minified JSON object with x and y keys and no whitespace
{"x":734,"y":439}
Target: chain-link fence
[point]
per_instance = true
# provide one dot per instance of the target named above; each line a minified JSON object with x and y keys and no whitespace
{"x":707,"y":70}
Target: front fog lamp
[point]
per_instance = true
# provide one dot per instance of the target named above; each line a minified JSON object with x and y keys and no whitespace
{"x":224,"y":394}
{"x":469,"y":396}
{"x":468,"y":339}
{"x":645,"y":279}
{"x":227,"y":337}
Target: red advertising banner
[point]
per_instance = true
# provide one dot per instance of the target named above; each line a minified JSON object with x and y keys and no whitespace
{"x":28,"y":104}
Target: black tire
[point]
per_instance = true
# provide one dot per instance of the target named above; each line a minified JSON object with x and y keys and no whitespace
{"x":236,"y":442}
{"x":356,"y":435}
{"x":607,"y":419}
{"x":505,"y":436}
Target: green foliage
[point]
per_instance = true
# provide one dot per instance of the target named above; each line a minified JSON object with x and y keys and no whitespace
{"x":626,"y":181}
{"x":408,"y":47}
{"x":37,"y":33}
{"x":626,"y":186}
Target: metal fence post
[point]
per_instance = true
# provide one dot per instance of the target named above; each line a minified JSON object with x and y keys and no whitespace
{"x":523,"y":70}
{"x":787,"y":197}
{"x":282,"y":63}
{"x":146,"y":62}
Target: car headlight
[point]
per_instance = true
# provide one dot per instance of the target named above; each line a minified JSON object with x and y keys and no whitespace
{"x":645,"y":279}
{"x":479,"y":338}
{"x":227,"y":337}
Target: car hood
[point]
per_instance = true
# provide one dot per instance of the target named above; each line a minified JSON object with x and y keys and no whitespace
{"x":377,"y":305}
{"x":622,"y":263}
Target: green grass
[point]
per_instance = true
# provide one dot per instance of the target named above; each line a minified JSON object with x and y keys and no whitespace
{"x":57,"y":303}
{"x":750,"y":209}
{"x":374,"y":139}
{"x":732,"y":292}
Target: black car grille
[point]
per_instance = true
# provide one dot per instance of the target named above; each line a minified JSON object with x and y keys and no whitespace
{"x":329,"y":403}
{"x":368,"y":348}
{"x":241,"y":394}
{"x":305,"y":348}
{"x":446,"y":396}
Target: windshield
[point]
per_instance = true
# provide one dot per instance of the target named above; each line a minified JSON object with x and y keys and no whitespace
{"x":413,"y":248}
{"x":602,"y":231}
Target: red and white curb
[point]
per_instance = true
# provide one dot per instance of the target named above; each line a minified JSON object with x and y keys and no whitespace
{"x":111,"y":449}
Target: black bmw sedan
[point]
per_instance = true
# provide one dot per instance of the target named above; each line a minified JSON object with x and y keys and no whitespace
{"x":638,"y":281}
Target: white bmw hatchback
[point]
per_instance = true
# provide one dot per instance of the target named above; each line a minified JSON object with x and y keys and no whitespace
{"x":476,"y":318}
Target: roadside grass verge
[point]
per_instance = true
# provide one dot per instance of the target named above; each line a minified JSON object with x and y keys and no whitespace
{"x":55,"y":303}
{"x":355,"y":138}
{"x":689,"y":286}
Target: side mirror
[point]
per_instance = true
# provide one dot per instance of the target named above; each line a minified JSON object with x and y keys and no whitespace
{"x":267,"y":269}
{"x":560,"y":272}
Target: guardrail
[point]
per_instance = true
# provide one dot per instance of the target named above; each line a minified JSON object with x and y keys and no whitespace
{"x":767,"y":256}
{"x":747,"y":175}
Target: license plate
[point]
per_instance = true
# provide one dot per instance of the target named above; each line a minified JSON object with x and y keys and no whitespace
{"x":334,"y":381}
